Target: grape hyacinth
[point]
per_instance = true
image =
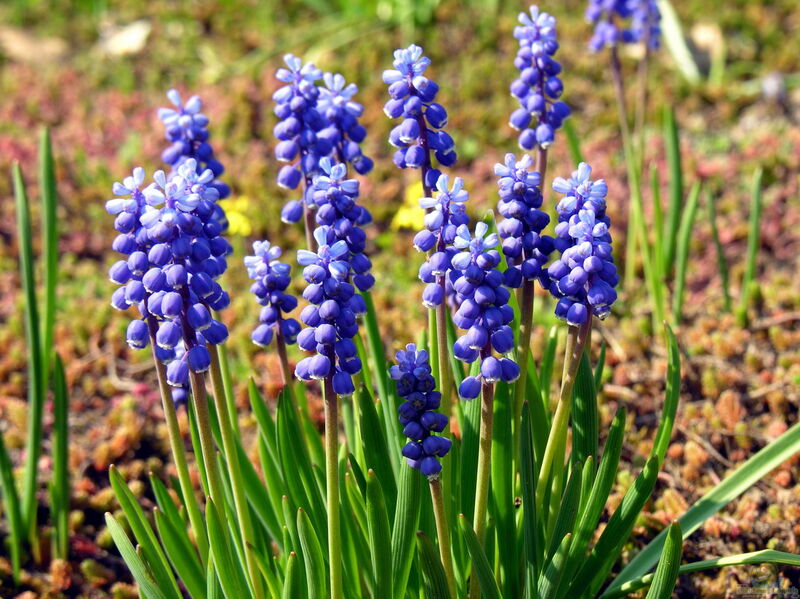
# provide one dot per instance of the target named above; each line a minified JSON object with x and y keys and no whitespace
{"x":186,"y":128}
{"x":331,"y":316}
{"x":418,"y":415}
{"x":336,"y":105}
{"x":524,"y":246}
{"x":422,"y":130}
{"x":271,"y":278}
{"x":335,"y":198}
{"x":644,"y":25}
{"x":446,"y":212}
{"x":584,"y":277}
{"x":483,"y":310}
{"x":538,"y":87}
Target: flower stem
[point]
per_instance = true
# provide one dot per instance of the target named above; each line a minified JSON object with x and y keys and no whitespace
{"x":198,"y":384}
{"x":443,"y":355}
{"x":332,"y":487}
{"x":280,"y":343}
{"x":178,"y":452}
{"x":484,"y":471}
{"x":237,"y":483}
{"x":443,"y":532}
{"x":556,"y":442}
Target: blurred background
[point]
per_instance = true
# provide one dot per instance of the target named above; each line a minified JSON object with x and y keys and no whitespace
{"x":96,"y":71}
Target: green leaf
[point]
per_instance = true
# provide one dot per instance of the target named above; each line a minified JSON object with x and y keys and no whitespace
{"x":469,"y":454}
{"x":531,"y":534}
{"x":573,"y":142}
{"x":502,"y":491}
{"x":671,"y":399}
{"x":147,"y":586}
{"x":33,"y":441}
{"x":379,"y":537}
{"x":60,"y":442}
{"x":585,"y":426}
{"x":667,"y":570}
{"x":606,"y":473}
{"x":167,"y":505}
{"x":567,"y":511}
{"x":292,"y":585}
{"x":12,"y":508}
{"x":480,"y":564}
{"x":181,"y":554}
{"x":676,"y":43}
{"x":675,"y":204}
{"x":312,"y":552}
{"x":550,"y":581}
{"x":753,"y":470}
{"x":684,"y":238}
{"x":143,"y":532}
{"x":766,"y":556}
{"x":432,"y":569}
{"x":228,"y":567}
{"x":598,"y":369}
{"x":47,"y":185}
{"x":376,"y":449}
{"x":722,"y":263}
{"x":753,"y":243}
{"x":406,"y":516}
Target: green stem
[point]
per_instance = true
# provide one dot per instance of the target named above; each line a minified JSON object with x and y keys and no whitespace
{"x":443,"y":532}
{"x":484,"y":471}
{"x":280,"y":342}
{"x":198,"y":385}
{"x":178,"y":452}
{"x":443,"y":356}
{"x":576,"y":342}
{"x":332,"y":487}
{"x":237,"y":482}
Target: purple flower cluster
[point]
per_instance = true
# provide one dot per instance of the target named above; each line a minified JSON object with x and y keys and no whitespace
{"x":314,"y":122}
{"x":272,"y":277}
{"x":418,"y":415}
{"x":334,"y":197}
{"x":422,"y":129}
{"x":584,"y":278}
{"x":175,"y":252}
{"x":483,"y":310}
{"x":644,"y":25}
{"x":538,"y":87}
{"x":186,"y":128}
{"x":331,"y":316}
{"x":446,"y":212}
{"x":526,"y":249}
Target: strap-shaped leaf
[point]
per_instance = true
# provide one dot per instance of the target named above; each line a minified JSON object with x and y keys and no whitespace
{"x":312,"y":552}
{"x":667,"y":570}
{"x":147,"y":585}
{"x":550,"y":581}
{"x":292,"y":584}
{"x":432,"y":570}
{"x":406,"y":516}
{"x":229,"y":569}
{"x":182,"y":555}
{"x":376,"y":450}
{"x":12,"y":507}
{"x":567,"y":511}
{"x":530,"y":522}
{"x":480,"y":563}
{"x":379,"y":537}
{"x":671,"y":398}
{"x":585,"y":427}
{"x":502,"y":492}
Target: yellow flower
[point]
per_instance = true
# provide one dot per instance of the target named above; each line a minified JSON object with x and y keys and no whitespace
{"x":236,"y":209}
{"x":410,"y":215}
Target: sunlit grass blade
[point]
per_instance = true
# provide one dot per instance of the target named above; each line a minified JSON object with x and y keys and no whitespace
{"x":143,"y":533}
{"x":671,"y":398}
{"x":11,"y":508}
{"x":766,"y":556}
{"x":181,"y":554}
{"x":666,"y":574}
{"x":293,"y":584}
{"x":147,"y":586}
{"x":682,"y":252}
{"x":59,"y":488}
{"x":753,"y":470}
{"x":379,"y":537}
{"x":722,"y":262}
{"x":433,"y":575}
{"x":753,"y":242}
{"x":36,"y":394}
{"x":313,"y":556}
{"x":480,"y":563}
{"x":406,"y":517}
{"x":47,"y":185}
{"x":675,"y":200}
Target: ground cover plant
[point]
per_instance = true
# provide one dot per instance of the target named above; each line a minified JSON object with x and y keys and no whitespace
{"x":454,"y":460}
